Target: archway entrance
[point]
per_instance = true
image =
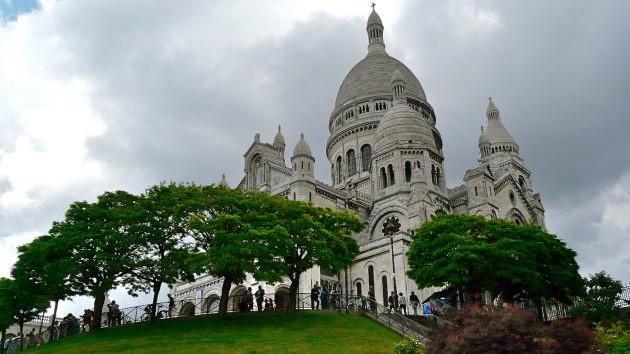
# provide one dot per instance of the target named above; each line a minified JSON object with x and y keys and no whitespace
{"x":235,"y":297}
{"x":188,"y":309}
{"x":281,"y":298}
{"x":211,"y":304}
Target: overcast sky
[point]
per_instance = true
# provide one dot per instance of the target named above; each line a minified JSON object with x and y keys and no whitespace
{"x":105,"y":95}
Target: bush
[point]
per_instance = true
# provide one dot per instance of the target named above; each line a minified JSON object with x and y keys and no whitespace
{"x":569,"y":335}
{"x":615,"y":337}
{"x":509,"y":330}
{"x":413,"y":346}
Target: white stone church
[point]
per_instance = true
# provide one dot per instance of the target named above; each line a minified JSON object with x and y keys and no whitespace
{"x":386,"y":159}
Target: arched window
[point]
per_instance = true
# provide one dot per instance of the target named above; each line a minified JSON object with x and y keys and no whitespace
{"x":390,"y":170}
{"x":512,"y":198}
{"x":366,"y":157}
{"x":384,"y":281}
{"x":359,"y":292}
{"x":521,"y":182}
{"x":438,"y":176}
{"x":433,"y":174}
{"x":338,"y":169}
{"x":383,"y":178}
{"x":408,"y":171}
{"x":371,"y":277}
{"x":352,"y":162}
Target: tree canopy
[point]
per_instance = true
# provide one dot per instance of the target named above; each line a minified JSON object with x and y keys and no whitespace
{"x":46,"y":266}
{"x":476,"y":254}
{"x":101,"y":247}
{"x":307,"y":235}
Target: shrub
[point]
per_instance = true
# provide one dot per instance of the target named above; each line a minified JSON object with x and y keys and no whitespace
{"x":509,"y":330}
{"x":407,"y":346}
{"x":614,"y":337}
{"x":569,"y":335}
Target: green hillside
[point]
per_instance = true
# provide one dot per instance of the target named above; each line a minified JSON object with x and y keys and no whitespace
{"x":306,"y":332}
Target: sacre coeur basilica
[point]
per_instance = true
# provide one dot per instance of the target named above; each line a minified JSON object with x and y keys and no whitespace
{"x":387,"y":163}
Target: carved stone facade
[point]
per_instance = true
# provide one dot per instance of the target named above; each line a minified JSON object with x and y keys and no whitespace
{"x":386,"y":160}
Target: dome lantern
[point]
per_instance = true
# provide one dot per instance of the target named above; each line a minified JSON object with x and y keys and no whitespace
{"x":375,"y":29}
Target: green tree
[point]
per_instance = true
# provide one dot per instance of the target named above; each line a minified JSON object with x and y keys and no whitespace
{"x":305,"y":236}
{"x":162,"y":255}
{"x":101,"y":247}
{"x":229,"y":230}
{"x":475,"y":254}
{"x":599,"y":302}
{"x":45,"y":264}
{"x":26,"y":301}
{"x":7,"y":307}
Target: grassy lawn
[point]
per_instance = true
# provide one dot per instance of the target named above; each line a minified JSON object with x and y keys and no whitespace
{"x":306,"y":332}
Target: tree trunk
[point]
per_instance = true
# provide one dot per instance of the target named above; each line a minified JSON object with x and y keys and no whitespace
{"x":4,"y":332}
{"x":225,"y":294}
{"x":99,"y":300}
{"x":52,"y":322}
{"x":156,"y":292}
{"x":293,"y":289}
{"x":21,"y":324}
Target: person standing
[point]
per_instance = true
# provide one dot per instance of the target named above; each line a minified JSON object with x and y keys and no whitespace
{"x":249,"y":298}
{"x":260,"y":295}
{"x":315,"y":297}
{"x":372,"y":298}
{"x":391,"y":300}
{"x":413,"y":298}
{"x":402,"y":302}
{"x":171,"y":305}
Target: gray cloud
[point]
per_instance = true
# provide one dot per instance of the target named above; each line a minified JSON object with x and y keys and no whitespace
{"x":183,"y":87}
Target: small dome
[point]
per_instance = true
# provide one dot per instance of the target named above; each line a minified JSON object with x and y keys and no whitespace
{"x":403,"y":125}
{"x":279,"y":139}
{"x":374,"y":19}
{"x":496,"y":131}
{"x":302,"y":148}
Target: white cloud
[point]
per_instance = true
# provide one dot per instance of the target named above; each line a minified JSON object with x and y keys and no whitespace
{"x":8,"y":250}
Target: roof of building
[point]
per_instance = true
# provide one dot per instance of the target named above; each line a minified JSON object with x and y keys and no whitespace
{"x":302,"y":148}
{"x":496,"y":131}
{"x":372,"y":77}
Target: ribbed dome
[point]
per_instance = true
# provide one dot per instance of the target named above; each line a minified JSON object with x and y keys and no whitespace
{"x":403,"y":125}
{"x":372,"y":77}
{"x":302,"y":148}
{"x":374,"y":19}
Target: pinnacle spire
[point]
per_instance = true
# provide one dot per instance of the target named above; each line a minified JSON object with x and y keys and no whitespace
{"x":375,"y":32}
{"x":492,"y":112}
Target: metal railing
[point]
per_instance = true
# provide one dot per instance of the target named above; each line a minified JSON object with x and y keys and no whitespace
{"x":392,"y":318}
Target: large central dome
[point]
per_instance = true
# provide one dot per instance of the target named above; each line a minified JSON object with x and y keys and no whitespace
{"x":371,"y":77}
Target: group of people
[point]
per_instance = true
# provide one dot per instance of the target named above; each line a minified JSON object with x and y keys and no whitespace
{"x":329,"y":298}
{"x":114,"y":315}
{"x":402,"y":303}
{"x":246,"y":302}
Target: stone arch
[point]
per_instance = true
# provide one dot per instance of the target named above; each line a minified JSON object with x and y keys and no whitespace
{"x":211,"y":304}
{"x":235,"y":297}
{"x":516,"y":216}
{"x":359,"y":287}
{"x":188,"y":309}
{"x":377,"y":221}
{"x":281,"y":297}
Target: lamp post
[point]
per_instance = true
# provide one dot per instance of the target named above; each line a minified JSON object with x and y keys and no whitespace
{"x":390,"y":227}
